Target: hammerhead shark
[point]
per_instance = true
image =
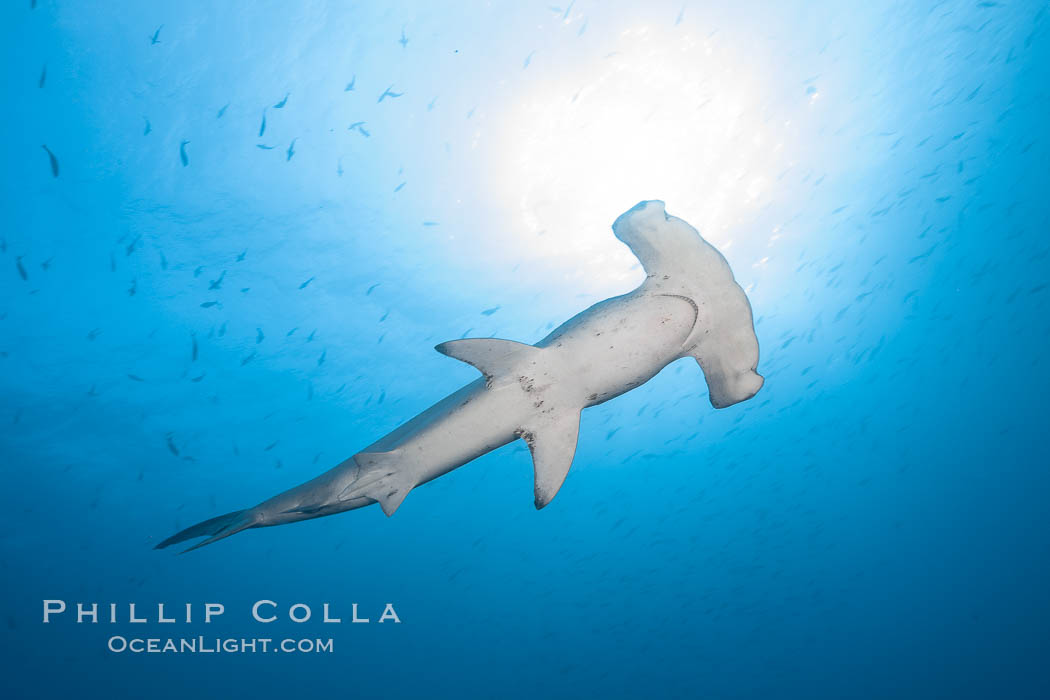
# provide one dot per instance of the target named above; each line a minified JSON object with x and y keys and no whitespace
{"x":688,"y":306}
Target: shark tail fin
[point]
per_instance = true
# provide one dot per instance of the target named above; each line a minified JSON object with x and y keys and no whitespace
{"x":215,"y":529}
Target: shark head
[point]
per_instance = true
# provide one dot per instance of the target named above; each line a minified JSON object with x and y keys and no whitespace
{"x":679,"y":261}
{"x":651,"y":233}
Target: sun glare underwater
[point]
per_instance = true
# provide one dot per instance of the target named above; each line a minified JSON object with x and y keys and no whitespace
{"x":234,"y":233}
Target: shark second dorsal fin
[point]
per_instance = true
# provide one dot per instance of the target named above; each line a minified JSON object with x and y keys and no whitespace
{"x":382,"y":477}
{"x":491,"y":356}
{"x":552,"y":442}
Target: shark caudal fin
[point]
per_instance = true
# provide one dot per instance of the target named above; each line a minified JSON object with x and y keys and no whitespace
{"x":215,"y":529}
{"x":552,"y":431}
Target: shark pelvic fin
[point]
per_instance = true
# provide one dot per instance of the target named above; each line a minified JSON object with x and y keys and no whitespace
{"x":383,"y":478}
{"x":491,"y":356}
{"x":552,"y":442}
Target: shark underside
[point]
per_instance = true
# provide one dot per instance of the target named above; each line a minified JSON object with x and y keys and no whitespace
{"x":689,"y":306}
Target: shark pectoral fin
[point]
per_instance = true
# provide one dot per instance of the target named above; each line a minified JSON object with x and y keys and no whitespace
{"x":491,"y":356}
{"x":552,"y":442}
{"x":383,"y":478}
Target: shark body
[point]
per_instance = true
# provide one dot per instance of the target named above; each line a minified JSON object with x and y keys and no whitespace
{"x":689,"y":306}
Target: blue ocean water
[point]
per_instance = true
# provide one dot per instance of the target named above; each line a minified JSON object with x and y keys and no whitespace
{"x":261,"y":217}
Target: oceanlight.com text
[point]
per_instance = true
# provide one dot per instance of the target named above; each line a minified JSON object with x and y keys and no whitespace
{"x":217,"y":645}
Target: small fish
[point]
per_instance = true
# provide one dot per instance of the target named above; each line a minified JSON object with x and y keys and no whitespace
{"x":271,"y":446}
{"x":163,"y":261}
{"x":241,"y":256}
{"x":304,"y":284}
{"x":149,"y":127}
{"x":46,"y":265}
{"x":398,"y":188}
{"x":265,"y":147}
{"x":133,"y":288}
{"x":262,"y":127}
{"x":93,"y":333}
{"x":339,"y":167}
{"x":171,"y":445}
{"x":528,"y":60}
{"x":21,"y":269}
{"x":222,"y":111}
{"x":43,"y":77}
{"x":197,"y":272}
{"x":430,"y":223}
{"x":222,"y":329}
{"x":112,"y":263}
{"x":259,"y":336}
{"x":291,"y":149}
{"x":372,"y":288}
{"x":489,"y":312}
{"x":130,"y":247}
{"x":197,"y":379}
{"x":54,"y":161}
{"x":247,"y":359}
{"x":355,"y":125}
{"x":217,"y":283}
{"x":282,"y":103}
{"x":209,"y":304}
{"x":350,"y":86}
{"x":155,"y":39}
{"x":135,"y":378}
{"x":388,"y":93}
{"x":403,"y":40}
{"x":364,"y":132}
{"x":430,"y":105}
{"x":310,"y":338}
{"x":681,"y":14}
{"x":182,"y":154}
{"x":320,"y":360}
{"x":291,"y":332}
{"x":194,"y":350}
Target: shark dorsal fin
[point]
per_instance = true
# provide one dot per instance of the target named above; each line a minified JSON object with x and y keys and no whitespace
{"x":491,"y":356}
{"x":552,"y":442}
